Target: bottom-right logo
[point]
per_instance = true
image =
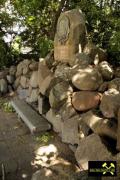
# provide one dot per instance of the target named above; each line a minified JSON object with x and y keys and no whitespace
{"x":102,"y":168}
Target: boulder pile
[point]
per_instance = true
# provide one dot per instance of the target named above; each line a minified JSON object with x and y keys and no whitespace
{"x":80,"y":97}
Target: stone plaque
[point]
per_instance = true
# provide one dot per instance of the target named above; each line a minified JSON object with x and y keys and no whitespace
{"x":63,"y":29}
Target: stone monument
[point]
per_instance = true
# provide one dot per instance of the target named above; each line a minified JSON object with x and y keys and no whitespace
{"x":70,"y":33}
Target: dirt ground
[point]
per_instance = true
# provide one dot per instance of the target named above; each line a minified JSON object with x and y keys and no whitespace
{"x":20,"y":152}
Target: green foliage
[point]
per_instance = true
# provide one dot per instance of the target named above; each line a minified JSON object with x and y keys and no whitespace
{"x":6,"y":105}
{"x":5,"y":55}
{"x":44,"y":138}
{"x":38,"y":18}
{"x":103,"y":24}
{"x":45,"y":45}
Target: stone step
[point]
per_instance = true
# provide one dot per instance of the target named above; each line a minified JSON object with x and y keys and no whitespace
{"x":35,"y":122}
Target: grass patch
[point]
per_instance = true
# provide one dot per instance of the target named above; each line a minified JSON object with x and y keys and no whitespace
{"x":6,"y":106}
{"x":44,"y":138}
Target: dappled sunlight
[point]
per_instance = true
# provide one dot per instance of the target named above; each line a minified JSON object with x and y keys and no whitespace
{"x":24,"y":176}
{"x":84,"y":162}
{"x":93,"y":120}
{"x":45,"y":155}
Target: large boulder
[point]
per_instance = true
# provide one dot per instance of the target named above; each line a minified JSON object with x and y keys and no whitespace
{"x":110,"y":103}
{"x":34,"y":79}
{"x":3,"y":86}
{"x":87,"y":79}
{"x":91,"y":148}
{"x":100,"y":125}
{"x":85,"y":100}
{"x":70,"y":133}
{"x":59,"y":94}
{"x":106,"y":70}
{"x":115,"y":83}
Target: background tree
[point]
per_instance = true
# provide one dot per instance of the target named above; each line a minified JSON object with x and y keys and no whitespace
{"x":27,"y":28}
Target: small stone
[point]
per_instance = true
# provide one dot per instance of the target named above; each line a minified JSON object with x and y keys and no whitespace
{"x":4,"y":73}
{"x":118,"y":132}
{"x":103,"y":87}
{"x":19,"y":71}
{"x":10,"y":79}
{"x":106,"y":70}
{"x":114,"y":84}
{"x":91,"y":148}
{"x":53,"y":82}
{"x":34,"y":79}
{"x":117,"y":72}
{"x":82,"y":59}
{"x":26,"y":62}
{"x":87,"y":79}
{"x":67,"y":110}
{"x":12,"y":70}
{"x":102,"y":55}
{"x":33,"y":66}
{"x":50,"y":59}
{"x":24,"y":82}
{"x":46,"y":84}
{"x":43,"y":72}
{"x":85,"y":100}
{"x":55,"y":120}
{"x":91,"y":50}
{"x":83,"y":128}
{"x":3,"y":86}
{"x":25,"y":70}
{"x":17,"y":82}
{"x":110,"y":103}
{"x":59,"y":94}
{"x":43,"y":104}
{"x":22,"y":93}
{"x":63,"y":71}
{"x":33,"y":96}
